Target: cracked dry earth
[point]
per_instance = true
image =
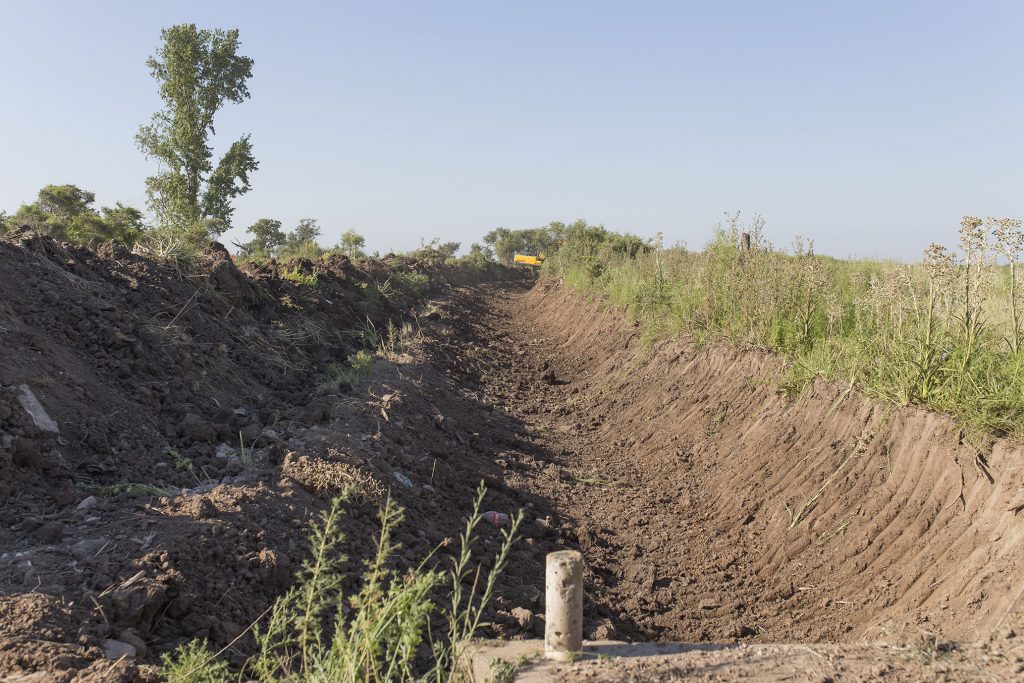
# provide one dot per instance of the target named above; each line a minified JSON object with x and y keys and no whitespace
{"x":709,"y":507}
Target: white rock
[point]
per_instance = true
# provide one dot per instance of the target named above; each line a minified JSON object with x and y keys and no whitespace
{"x":35,"y":410}
{"x":116,"y":649}
{"x":87,"y":504}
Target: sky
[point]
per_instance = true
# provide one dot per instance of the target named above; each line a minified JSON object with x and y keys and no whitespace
{"x":870,"y":127}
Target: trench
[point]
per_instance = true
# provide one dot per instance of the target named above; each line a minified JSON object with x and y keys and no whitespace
{"x":709,"y":506}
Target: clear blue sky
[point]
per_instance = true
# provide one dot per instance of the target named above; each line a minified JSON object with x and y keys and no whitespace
{"x":869,"y":126}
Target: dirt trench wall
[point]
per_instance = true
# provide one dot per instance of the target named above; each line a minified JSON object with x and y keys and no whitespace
{"x":838,"y":517}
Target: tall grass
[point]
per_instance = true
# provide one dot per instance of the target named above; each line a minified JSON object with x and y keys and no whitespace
{"x":314,"y":633}
{"x":944,"y":333}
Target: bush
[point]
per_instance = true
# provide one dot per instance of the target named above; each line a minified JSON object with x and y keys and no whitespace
{"x":66,"y":213}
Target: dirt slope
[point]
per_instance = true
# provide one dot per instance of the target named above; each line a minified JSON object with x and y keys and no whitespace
{"x":678,"y":472}
{"x":149,"y":374}
{"x":711,"y":506}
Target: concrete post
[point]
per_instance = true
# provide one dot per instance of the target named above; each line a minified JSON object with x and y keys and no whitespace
{"x":563,"y":605}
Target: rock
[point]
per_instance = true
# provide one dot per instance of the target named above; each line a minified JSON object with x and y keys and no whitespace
{"x":740,"y":630}
{"x":523,"y":617}
{"x":225,"y":451}
{"x":87,"y":549}
{"x":135,"y":640}
{"x":35,"y":410}
{"x":403,"y":480}
{"x":36,"y":677}
{"x":116,"y":649}
{"x":604,"y":631}
{"x":87,"y":505}
{"x":50,"y":532}
{"x":205,"y":509}
{"x":136,"y":606}
{"x":197,"y":430}
{"x":529,"y":595}
{"x":250,"y":432}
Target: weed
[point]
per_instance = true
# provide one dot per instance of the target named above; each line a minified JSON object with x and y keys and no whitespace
{"x":245,"y":456}
{"x":295,"y":275}
{"x":504,"y":671}
{"x":947,"y":333}
{"x":194,"y":663}
{"x":358,"y":366}
{"x":312,"y":633}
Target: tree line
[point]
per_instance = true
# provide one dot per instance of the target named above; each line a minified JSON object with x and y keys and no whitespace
{"x":191,"y":196}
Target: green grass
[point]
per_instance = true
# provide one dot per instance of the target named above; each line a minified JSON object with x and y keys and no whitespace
{"x":944,"y":333}
{"x":358,"y":366}
{"x":381,"y":633}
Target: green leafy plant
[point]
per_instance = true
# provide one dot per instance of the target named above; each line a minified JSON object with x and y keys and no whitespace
{"x":315,"y":633}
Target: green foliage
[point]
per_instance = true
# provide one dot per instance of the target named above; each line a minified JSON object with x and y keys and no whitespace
{"x":302,"y":242}
{"x":66,"y":212}
{"x":271,"y":242}
{"x":358,"y":366}
{"x":193,"y":662}
{"x":478,"y":256}
{"x":308,"y":230}
{"x":352,"y":243}
{"x":435,"y":252}
{"x":414,"y":285}
{"x":315,"y":633}
{"x":579,"y":238}
{"x":942,"y":334}
{"x":267,"y":237}
{"x":198,"y":71}
{"x":295,"y":275}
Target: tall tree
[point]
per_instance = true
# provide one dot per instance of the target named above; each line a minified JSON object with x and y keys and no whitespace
{"x":198,"y":71}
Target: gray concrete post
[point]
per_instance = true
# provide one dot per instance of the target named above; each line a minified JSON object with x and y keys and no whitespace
{"x":563,"y":605}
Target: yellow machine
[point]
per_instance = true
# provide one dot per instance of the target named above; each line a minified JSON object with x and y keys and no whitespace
{"x":529,"y":259}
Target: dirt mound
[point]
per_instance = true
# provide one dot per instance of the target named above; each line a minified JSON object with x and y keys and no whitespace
{"x":146,"y":413}
{"x":711,"y":506}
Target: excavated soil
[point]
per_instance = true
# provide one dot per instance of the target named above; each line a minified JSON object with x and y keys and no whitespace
{"x":709,"y":506}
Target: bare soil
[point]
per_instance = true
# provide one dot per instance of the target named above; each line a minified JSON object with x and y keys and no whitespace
{"x":710,"y":506}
